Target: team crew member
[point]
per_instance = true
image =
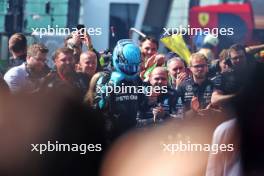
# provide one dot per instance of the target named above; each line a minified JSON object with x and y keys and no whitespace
{"x":149,"y":56}
{"x":159,"y":104}
{"x":149,"y":47}
{"x":64,"y":78}
{"x":196,"y":92}
{"x":177,"y":72}
{"x":232,"y":81}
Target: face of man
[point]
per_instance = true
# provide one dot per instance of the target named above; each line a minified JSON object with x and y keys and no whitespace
{"x":158,"y":77}
{"x":224,"y":67}
{"x":36,"y":63}
{"x":175,"y":67}
{"x":88,"y":63}
{"x":148,"y":48}
{"x":238,"y":58}
{"x":199,"y":68}
{"x":65,"y":64}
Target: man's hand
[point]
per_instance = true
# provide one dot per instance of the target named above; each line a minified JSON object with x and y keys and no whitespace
{"x":209,"y":109}
{"x":180,"y":78}
{"x":158,"y":112}
{"x":159,"y":59}
{"x":195,"y":104}
{"x":87,"y":41}
{"x":76,"y":37}
{"x":204,"y":112}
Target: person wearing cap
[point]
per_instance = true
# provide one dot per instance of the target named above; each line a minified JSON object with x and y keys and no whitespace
{"x":210,"y":42}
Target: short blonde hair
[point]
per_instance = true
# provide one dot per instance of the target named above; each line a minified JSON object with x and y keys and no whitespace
{"x":197,"y":55}
{"x":34,"y":49}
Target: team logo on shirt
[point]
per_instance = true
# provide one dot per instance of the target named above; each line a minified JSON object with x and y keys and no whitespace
{"x":189,"y":88}
{"x":208,"y":88}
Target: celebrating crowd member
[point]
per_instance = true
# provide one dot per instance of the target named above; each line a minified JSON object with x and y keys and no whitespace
{"x":91,"y":95}
{"x":218,"y":67}
{"x":232,"y":81}
{"x":64,"y":78}
{"x":158,"y":105}
{"x":149,"y":56}
{"x":196,"y":92}
{"x":148,"y":46}
{"x":137,"y":90}
{"x":177,"y":71}
{"x":87,"y":64}
{"x":26,"y":77}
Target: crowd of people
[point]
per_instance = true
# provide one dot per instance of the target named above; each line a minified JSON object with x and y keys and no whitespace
{"x":172,"y":88}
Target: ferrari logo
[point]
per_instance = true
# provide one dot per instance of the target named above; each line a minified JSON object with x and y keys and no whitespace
{"x":203,"y":18}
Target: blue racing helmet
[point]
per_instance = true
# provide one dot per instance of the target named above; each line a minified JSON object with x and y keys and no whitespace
{"x":126,"y":57}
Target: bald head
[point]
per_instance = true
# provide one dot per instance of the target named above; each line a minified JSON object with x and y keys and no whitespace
{"x":158,"y":76}
{"x":88,"y":62}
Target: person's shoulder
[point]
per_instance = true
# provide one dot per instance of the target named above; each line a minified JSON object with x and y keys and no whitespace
{"x":171,"y":93}
{"x":209,"y":81}
{"x":186,"y":82}
{"x":228,"y":73}
{"x":82,"y":76}
{"x":224,"y":130}
{"x":146,"y":83}
{"x":259,"y":67}
{"x":16,"y":71}
{"x":49,"y":78}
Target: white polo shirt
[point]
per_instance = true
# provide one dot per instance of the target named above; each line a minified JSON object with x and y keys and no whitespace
{"x":17,"y":79}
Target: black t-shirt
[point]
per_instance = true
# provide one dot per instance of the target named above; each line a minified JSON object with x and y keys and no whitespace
{"x":189,"y":88}
{"x":229,"y":82}
{"x":232,"y":81}
{"x":166,"y":100}
{"x":77,"y":87}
